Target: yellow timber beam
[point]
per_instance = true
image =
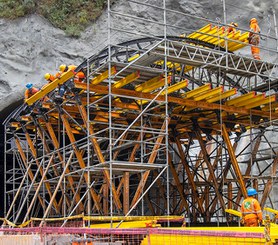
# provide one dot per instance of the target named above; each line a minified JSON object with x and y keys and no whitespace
{"x":208,"y":94}
{"x":148,"y":83}
{"x":126,"y":80}
{"x":233,"y":212}
{"x":221,"y":33}
{"x":200,"y":31}
{"x":175,"y":87}
{"x":222,"y":96}
{"x":256,"y":98}
{"x":274,"y":211}
{"x":132,"y":224}
{"x":98,"y":79}
{"x":50,"y":87}
{"x":263,"y":101}
{"x":210,"y":34}
{"x":197,"y":91}
{"x":156,"y":85}
{"x":236,"y":36}
{"x":221,"y":42}
{"x":133,"y":57}
{"x":241,"y":98}
{"x":243,"y":38}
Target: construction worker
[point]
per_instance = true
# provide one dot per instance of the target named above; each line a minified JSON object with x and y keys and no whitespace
{"x":251,"y":210}
{"x":78,"y":77}
{"x":64,"y":68}
{"x":232,"y":27}
{"x":49,"y":78}
{"x":254,"y":38}
{"x":30,"y":91}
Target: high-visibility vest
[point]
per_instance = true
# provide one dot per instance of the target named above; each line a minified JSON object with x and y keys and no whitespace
{"x":250,"y":208}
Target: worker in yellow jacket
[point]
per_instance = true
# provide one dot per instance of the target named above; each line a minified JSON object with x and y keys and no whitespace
{"x":254,"y":38}
{"x":251,"y":209}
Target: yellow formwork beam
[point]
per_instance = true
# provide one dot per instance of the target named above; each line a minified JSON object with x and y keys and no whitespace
{"x":197,"y":91}
{"x":236,"y":36}
{"x":133,"y":57}
{"x":126,"y":80}
{"x":132,"y":224}
{"x":241,"y":98}
{"x":200,"y":31}
{"x":208,"y":94}
{"x":132,"y":218}
{"x":49,"y":87}
{"x":156,"y":85}
{"x":233,"y":212}
{"x":222,"y":96}
{"x":210,"y":34}
{"x":148,"y":83}
{"x":271,"y":210}
{"x":104,"y":75}
{"x":243,"y":38}
{"x":219,"y":36}
{"x":161,"y":239}
{"x":255,"y":99}
{"x":175,"y":87}
{"x":221,"y":42}
{"x":263,"y":101}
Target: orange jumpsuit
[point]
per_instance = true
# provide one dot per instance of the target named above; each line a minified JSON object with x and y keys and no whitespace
{"x":51,"y":79}
{"x":251,"y":212}
{"x":254,"y":39}
{"x":30,"y":92}
{"x":231,"y":28}
{"x":79,"y":76}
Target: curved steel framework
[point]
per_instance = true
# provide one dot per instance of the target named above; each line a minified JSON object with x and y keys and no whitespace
{"x":164,"y":125}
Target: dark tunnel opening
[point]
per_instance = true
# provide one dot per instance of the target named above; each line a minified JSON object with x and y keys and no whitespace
{"x":4,"y":113}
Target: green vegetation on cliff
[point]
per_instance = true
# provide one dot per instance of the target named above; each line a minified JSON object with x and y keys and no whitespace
{"x":72,"y":16}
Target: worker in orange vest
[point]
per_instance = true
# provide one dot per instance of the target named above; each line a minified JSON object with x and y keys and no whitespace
{"x":30,"y":91}
{"x":49,"y":78}
{"x":64,"y":68}
{"x":232,"y":27}
{"x":251,"y":209}
{"x":254,"y":38}
{"x":78,"y":77}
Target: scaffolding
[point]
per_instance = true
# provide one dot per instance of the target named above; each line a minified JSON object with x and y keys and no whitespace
{"x":163,"y":125}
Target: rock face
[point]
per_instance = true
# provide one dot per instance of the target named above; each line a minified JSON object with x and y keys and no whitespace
{"x":31,"y":46}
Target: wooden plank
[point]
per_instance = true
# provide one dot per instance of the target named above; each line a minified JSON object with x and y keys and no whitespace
{"x":178,"y":184}
{"x":150,"y":161}
{"x":210,"y":169}
{"x":80,"y":159}
{"x":126,"y":192}
{"x":56,"y":147}
{"x":233,"y":160}
{"x":34,"y":154}
{"x":189,"y":174}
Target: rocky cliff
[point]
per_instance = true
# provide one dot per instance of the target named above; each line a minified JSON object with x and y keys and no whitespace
{"x":31,"y":46}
